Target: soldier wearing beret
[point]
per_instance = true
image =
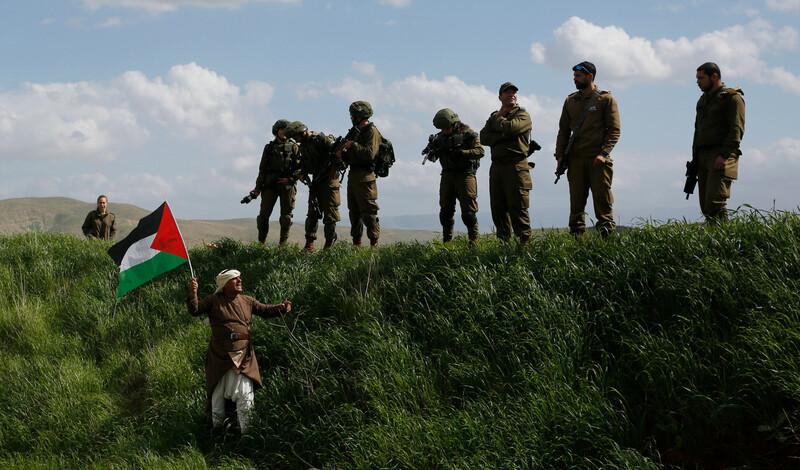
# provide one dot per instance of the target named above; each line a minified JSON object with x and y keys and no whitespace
{"x":588,"y":130}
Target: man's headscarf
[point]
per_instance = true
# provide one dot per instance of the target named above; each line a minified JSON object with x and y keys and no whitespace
{"x":224,"y":276}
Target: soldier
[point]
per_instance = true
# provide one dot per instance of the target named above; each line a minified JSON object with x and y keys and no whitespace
{"x":100,"y":223}
{"x":507,"y":132}
{"x":587,"y":132}
{"x":277,"y":179}
{"x":718,"y":131}
{"x":323,"y":190}
{"x":458,"y":149}
{"x":362,"y":191}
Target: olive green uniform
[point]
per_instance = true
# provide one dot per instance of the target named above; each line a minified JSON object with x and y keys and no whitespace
{"x":323,"y":191}
{"x":97,"y":225}
{"x":459,"y":154}
{"x":278,"y":160}
{"x":597,"y":136}
{"x":362,"y":190}
{"x":718,"y":131}
{"x":509,"y":176}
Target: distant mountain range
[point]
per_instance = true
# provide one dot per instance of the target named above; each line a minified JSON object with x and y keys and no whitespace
{"x":61,"y":214}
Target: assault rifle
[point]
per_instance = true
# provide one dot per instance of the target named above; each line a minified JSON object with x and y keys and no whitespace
{"x":430,"y":152}
{"x":691,"y":174}
{"x":338,"y":144}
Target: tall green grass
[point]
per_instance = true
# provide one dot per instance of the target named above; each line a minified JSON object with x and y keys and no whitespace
{"x":671,"y":344}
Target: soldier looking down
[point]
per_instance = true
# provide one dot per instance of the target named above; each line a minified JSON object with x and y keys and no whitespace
{"x":458,"y":149}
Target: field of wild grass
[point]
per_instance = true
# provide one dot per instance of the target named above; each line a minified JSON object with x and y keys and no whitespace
{"x":669,"y":345}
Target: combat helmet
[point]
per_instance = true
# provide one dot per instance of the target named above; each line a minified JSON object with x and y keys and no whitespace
{"x":279,"y":124}
{"x":294,"y":128}
{"x":445,"y":118}
{"x":361,"y":109}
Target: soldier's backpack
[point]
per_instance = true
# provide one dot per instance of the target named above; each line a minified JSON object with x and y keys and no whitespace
{"x":384,"y":159}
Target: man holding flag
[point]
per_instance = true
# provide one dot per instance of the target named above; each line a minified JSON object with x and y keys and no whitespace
{"x":231,"y":366}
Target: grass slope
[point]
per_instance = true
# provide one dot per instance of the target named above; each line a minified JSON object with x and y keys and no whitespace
{"x":666,"y":345}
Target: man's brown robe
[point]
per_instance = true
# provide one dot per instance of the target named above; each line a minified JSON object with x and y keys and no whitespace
{"x":230,"y":315}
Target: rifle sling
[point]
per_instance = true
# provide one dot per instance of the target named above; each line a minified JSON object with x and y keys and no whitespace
{"x":585,"y":112}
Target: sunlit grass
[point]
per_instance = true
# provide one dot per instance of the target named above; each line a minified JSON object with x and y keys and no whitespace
{"x":659,"y":346}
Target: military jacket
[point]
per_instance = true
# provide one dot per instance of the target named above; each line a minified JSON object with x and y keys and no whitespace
{"x":361,"y":156}
{"x":315,"y":153}
{"x":459,"y":151}
{"x":600,"y":130}
{"x":720,"y":122}
{"x":508,"y":137}
{"x":97,"y":225}
{"x":278,"y":160}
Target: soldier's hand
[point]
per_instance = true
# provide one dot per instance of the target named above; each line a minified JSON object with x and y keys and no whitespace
{"x":255,"y":192}
{"x":599,"y":160}
{"x":287,"y":307}
{"x":720,"y":163}
{"x":193,"y":286}
{"x":558,"y":163}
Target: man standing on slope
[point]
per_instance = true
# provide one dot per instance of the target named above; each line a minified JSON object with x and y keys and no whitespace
{"x":508,"y":132}
{"x":362,"y":189}
{"x":588,"y":130}
{"x":278,"y":173}
{"x":231,"y":367}
{"x":718,"y":131}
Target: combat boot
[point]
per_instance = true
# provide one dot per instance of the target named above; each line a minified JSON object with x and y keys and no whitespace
{"x":282,"y":242}
{"x":357,"y":242}
{"x":373,"y":242}
{"x":525,"y":241}
{"x":328,"y":243}
{"x":262,"y":240}
{"x":473,"y":242}
{"x":309,"y":245}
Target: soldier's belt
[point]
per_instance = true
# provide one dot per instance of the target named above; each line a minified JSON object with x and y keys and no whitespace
{"x":233,"y":336}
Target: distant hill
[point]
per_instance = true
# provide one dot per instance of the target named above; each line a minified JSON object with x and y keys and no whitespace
{"x":65,"y":215}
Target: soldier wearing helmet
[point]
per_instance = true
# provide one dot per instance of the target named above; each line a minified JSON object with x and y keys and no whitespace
{"x":323,"y":185}
{"x":507,"y":132}
{"x":458,"y":149}
{"x":277,"y":180}
{"x":362,"y":190}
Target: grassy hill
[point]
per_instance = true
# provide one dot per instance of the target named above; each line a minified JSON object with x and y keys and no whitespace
{"x":672,"y":345}
{"x":65,"y":215}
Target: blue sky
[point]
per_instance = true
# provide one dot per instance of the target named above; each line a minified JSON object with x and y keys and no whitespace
{"x":146,"y":100}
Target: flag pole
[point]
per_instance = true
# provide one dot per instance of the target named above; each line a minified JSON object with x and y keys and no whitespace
{"x":191,"y":270}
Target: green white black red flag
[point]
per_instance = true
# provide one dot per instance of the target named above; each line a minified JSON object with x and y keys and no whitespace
{"x":154,"y":247}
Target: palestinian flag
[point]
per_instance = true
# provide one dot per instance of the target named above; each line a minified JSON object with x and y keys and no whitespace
{"x":154,"y":247}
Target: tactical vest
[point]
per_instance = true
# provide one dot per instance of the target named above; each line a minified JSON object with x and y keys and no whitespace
{"x":454,"y":163}
{"x":280,"y":157}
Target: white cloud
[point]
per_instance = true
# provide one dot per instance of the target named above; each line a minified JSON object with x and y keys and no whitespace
{"x":396,"y":3}
{"x":110,"y":22}
{"x":83,"y":120}
{"x":159,"y":6}
{"x":623,"y":60}
{"x":191,"y":99}
{"x":783,"y":5}
{"x":473,"y":103}
{"x":48,"y":21}
{"x":365,"y":68}
{"x":93,"y":121}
